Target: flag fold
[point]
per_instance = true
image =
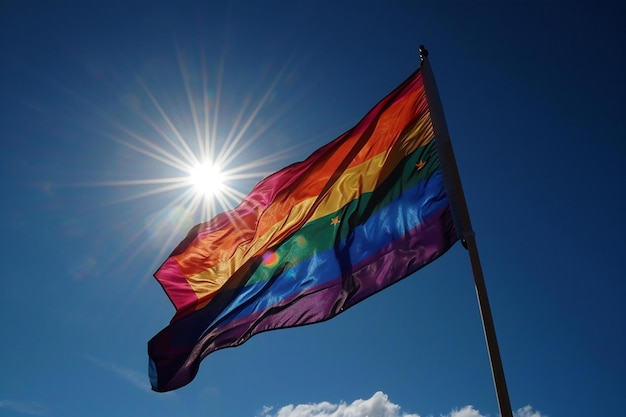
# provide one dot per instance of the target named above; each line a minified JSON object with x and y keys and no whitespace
{"x":311,"y":240}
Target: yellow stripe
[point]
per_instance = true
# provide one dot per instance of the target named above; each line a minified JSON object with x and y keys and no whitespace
{"x":365,"y":177}
{"x":353,"y":182}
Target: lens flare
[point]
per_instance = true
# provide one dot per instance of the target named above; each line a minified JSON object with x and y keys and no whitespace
{"x":270,"y":259}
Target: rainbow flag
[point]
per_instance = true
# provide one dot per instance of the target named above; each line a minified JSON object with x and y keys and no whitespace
{"x":310,"y":240}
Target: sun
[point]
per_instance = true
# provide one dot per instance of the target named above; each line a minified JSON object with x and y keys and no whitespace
{"x":207,"y":179}
{"x":196,"y":169}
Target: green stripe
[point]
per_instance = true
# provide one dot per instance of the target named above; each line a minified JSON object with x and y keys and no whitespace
{"x":320,"y":234}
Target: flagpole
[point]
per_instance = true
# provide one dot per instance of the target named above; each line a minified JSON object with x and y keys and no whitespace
{"x":463,"y":225}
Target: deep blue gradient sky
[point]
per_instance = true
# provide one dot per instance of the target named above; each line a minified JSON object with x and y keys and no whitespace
{"x":534,"y":96}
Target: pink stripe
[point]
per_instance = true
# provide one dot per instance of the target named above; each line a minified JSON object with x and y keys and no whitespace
{"x":265,"y":192}
{"x":179,"y":291}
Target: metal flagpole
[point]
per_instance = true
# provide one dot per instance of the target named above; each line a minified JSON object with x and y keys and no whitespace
{"x":463,"y":225}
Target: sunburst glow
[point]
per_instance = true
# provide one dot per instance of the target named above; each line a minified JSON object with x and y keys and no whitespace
{"x":184,"y":167}
{"x":207,"y":179}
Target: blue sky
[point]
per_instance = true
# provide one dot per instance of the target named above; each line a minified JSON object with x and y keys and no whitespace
{"x":534,"y":98}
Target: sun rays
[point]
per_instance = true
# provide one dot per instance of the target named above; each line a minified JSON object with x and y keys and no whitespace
{"x":193,"y":162}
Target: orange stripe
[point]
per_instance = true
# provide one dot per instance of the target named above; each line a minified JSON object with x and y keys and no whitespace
{"x":354,"y":182}
{"x":208,"y":268}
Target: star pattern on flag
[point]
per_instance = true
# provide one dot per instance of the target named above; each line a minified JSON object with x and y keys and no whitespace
{"x":335,"y":221}
{"x":421,"y":164}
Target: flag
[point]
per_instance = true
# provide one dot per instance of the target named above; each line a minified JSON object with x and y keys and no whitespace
{"x":311,"y":240}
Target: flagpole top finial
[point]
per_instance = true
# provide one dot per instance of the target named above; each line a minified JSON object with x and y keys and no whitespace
{"x":423,"y":52}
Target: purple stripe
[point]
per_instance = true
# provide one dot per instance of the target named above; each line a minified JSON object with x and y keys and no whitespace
{"x":392,"y":263}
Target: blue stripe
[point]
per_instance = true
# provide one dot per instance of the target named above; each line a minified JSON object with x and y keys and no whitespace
{"x":404,"y":213}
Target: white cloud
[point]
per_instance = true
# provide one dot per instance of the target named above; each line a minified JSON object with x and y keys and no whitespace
{"x":467,"y":411}
{"x":528,"y":412}
{"x":377,"y":406}
{"x":32,"y":409}
{"x":265,"y":411}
